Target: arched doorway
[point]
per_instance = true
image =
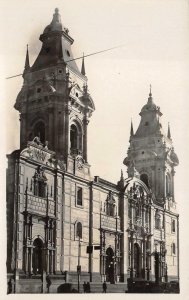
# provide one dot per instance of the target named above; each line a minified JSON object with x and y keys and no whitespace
{"x":37,"y":261}
{"x":157,"y":267}
{"x":110,"y":265}
{"x":137,"y":260}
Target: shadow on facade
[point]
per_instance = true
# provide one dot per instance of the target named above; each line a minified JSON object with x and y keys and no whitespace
{"x":66,"y":288}
{"x":141,"y":286}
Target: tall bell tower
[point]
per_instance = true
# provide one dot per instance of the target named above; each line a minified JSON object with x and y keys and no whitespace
{"x":54,"y":102}
{"x":151,"y":155}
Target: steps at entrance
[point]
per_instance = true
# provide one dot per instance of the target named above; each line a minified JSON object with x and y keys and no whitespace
{"x":36,"y":285}
{"x":97,"y":287}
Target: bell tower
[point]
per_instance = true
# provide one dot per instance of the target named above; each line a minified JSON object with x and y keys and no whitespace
{"x":151,"y":155}
{"x":54,"y":103}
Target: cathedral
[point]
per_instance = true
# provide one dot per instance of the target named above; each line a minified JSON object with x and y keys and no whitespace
{"x":65,"y":226}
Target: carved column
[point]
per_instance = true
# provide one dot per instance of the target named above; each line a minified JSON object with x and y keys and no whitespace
{"x":47,"y":234}
{"x":132,"y":213}
{"x":30,"y":260}
{"x":144,"y":257}
{"x":173,"y":192}
{"x":132,"y":254}
{"x":26,"y":259}
{"x":52,"y":262}
{"x":51,"y":135}
{"x":85,"y":122}
{"x":27,"y":241}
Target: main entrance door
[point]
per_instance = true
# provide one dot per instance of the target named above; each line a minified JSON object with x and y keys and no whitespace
{"x":110,"y":265}
{"x":37,"y":261}
{"x":137,"y":260}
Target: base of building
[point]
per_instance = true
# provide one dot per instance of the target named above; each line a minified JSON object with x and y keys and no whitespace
{"x":67,"y":282}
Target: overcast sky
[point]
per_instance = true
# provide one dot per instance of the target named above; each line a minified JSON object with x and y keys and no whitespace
{"x":155,"y":35}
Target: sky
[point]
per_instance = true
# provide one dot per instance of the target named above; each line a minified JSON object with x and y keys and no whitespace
{"x":154,"y":35}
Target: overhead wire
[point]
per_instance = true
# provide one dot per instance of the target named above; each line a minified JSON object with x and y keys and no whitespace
{"x":80,"y":57}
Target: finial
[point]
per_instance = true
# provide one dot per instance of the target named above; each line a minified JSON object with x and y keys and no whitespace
{"x":56,"y":22}
{"x":131,"y":131}
{"x":27,"y":62}
{"x":121,"y":181}
{"x":122,"y":175}
{"x":150,"y":99}
{"x":169,"y":132}
{"x":83,"y":66}
{"x":150,"y":94}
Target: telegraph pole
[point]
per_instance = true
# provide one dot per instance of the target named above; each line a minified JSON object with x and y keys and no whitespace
{"x":79,"y":266}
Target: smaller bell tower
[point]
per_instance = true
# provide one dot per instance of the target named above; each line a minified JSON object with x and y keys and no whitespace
{"x":151,"y":156}
{"x":54,"y":103}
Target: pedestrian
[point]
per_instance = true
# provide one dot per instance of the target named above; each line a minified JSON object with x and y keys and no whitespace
{"x":88,"y":287}
{"x":104,"y":286}
{"x":48,"y":281}
{"x":84,"y":287}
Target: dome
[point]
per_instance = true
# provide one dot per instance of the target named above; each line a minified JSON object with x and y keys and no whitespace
{"x":174,"y":157}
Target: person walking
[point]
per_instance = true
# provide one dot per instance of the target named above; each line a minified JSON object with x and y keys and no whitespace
{"x":104,"y":286}
{"x":88,"y":287}
{"x":84,"y":287}
{"x":48,"y":281}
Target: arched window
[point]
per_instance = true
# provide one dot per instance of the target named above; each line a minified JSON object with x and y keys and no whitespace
{"x":73,"y":137}
{"x":79,"y":230}
{"x":157,"y":220}
{"x":76,"y":139}
{"x":79,"y":196}
{"x":173,"y":225}
{"x":144,"y":178}
{"x":40,"y":183}
{"x":39,"y":130}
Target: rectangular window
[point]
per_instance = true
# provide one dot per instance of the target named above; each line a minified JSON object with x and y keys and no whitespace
{"x":173,"y":226}
{"x":174,"y":248}
{"x":79,"y":196}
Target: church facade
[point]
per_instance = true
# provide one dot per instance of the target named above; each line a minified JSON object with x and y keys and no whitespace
{"x":62,"y":222}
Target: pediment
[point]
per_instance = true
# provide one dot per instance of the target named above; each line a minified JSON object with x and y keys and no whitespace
{"x":40,"y":154}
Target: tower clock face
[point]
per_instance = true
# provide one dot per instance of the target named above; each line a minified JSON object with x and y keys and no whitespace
{"x":79,"y":162}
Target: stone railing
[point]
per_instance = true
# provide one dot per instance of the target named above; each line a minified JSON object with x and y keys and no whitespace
{"x":75,"y":152}
{"x":39,"y":205}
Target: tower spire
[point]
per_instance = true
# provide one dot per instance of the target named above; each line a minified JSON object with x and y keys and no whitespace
{"x":27,"y":62}
{"x":83,"y":66}
{"x":150,"y":99}
{"x":131,"y":131}
{"x":150,"y":94}
{"x":169,"y":132}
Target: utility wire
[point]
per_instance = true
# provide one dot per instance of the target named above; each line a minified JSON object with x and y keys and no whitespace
{"x":109,"y":49}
